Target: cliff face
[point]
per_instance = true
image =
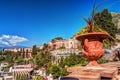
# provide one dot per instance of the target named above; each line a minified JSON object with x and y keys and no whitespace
{"x":116,"y":19}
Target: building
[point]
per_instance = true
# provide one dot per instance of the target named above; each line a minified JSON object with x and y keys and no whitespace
{"x":5,"y":73}
{"x":12,"y":49}
{"x":63,"y":48}
{"x":58,"y":44}
{"x":118,"y":36}
{"x":19,"y":70}
{"x":67,"y":44}
{"x":27,"y":52}
{"x":40,"y":47}
{"x":118,"y":24}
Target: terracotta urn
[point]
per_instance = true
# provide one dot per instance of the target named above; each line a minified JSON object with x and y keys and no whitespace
{"x":92,"y":48}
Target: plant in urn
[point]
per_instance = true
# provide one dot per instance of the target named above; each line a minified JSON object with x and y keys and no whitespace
{"x":92,"y":48}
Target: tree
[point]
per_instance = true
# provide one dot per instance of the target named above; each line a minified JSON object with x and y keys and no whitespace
{"x":102,"y":60}
{"x":34,"y":50}
{"x":72,"y":60}
{"x":45,"y":46}
{"x":23,"y":52}
{"x":2,"y":59}
{"x":83,"y":61}
{"x":64,"y":72}
{"x":57,"y":70}
{"x":42,"y":59}
{"x":37,"y":77}
{"x":61,"y":64}
{"x":27,"y":53}
{"x":104,"y":21}
{"x":39,"y":60}
{"x":57,"y":38}
{"x":54,"y":70}
{"x":20,"y":60}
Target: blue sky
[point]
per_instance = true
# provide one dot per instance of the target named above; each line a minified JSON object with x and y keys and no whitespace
{"x":29,"y":22}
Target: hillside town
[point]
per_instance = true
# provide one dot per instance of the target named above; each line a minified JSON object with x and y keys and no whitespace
{"x":58,"y":49}
{"x":92,"y":53}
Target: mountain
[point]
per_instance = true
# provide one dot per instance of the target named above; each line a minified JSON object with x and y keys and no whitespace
{"x":11,"y":47}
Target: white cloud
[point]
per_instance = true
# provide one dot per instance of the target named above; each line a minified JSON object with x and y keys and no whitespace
{"x":10,"y":40}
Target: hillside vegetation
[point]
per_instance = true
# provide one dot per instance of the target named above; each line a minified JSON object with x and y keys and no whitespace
{"x":104,"y":22}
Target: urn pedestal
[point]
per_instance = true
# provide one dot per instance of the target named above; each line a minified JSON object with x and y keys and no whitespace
{"x":92,"y":48}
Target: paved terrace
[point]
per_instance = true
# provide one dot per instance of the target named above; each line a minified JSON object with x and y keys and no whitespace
{"x":107,"y":71}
